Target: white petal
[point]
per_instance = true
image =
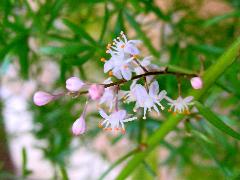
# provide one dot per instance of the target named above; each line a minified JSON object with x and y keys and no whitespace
{"x":154,"y":89}
{"x":121,"y":114}
{"x":126,"y":73}
{"x":141,"y":94}
{"x":103,"y":114}
{"x":162,"y":94}
{"x":117,"y":73}
{"x":108,"y":65}
{"x":188,"y":99}
{"x":131,"y":49}
{"x":169,"y":99}
{"x":134,"y":41}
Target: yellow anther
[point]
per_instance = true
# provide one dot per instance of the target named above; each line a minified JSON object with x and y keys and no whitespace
{"x":186,"y":112}
{"x":135,"y":56}
{"x":103,"y":59}
{"x":110,"y":73}
{"x":107,"y":51}
{"x":100,"y":125}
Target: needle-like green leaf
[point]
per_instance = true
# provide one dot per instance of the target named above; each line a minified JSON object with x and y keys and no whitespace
{"x":216,"y":121}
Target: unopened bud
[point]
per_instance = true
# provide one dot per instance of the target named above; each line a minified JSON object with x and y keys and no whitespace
{"x":96,"y":91}
{"x":74,"y":84}
{"x":42,"y":98}
{"x":196,"y":83}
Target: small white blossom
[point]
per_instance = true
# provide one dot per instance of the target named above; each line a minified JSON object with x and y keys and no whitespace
{"x":149,"y":100}
{"x":120,"y":67}
{"x":180,"y":105}
{"x":109,"y":96}
{"x":146,"y":63}
{"x":115,"y":121}
{"x":122,"y":46}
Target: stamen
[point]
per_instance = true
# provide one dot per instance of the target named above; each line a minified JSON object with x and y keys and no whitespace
{"x":110,"y":73}
{"x":103,"y":59}
{"x":144,"y":117}
{"x":123,"y":131}
{"x":135,"y":56}
{"x":100,"y":125}
{"x":122,"y":46}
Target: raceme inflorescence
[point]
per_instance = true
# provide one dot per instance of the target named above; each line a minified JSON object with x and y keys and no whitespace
{"x":126,"y":65}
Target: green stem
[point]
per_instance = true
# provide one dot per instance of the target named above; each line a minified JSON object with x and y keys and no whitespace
{"x":209,"y":78}
{"x":116,"y":163}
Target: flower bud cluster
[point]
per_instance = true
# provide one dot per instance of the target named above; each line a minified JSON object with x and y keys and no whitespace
{"x":124,"y":64}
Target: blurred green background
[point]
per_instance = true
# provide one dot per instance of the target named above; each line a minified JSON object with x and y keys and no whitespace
{"x":43,"y":42}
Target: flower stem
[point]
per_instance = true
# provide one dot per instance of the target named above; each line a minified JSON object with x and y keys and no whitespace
{"x":166,"y":71}
{"x":116,"y":163}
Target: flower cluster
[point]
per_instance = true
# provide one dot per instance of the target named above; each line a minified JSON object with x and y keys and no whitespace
{"x":125,"y":63}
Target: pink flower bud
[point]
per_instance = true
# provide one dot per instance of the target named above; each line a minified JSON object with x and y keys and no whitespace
{"x":96,"y":91}
{"x":196,"y":83}
{"x":41,"y":98}
{"x":74,"y":84}
{"x":79,"y":126}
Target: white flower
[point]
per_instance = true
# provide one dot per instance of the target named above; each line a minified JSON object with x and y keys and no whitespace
{"x":180,"y":105}
{"x":149,"y":100}
{"x":129,"y":96}
{"x":146,"y":63}
{"x":115,"y":121}
{"x":122,"y":45}
{"x":121,"y":67}
{"x":109,"y":96}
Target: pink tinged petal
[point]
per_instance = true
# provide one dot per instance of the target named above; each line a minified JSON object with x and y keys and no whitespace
{"x":79,"y":126}
{"x":169,"y":100}
{"x":196,"y":82}
{"x":108,"y":65}
{"x":103,"y":114}
{"x":154,"y":89}
{"x":162,"y":95}
{"x":126,"y":73}
{"x":188,"y":99}
{"x":74,"y":84}
{"x":121,"y":114}
{"x":41,"y":98}
{"x":140,"y":94}
{"x":135,"y":42}
{"x":117,"y":73}
{"x":131,"y":49}
{"x":146,"y":61}
{"x":96,"y":91}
